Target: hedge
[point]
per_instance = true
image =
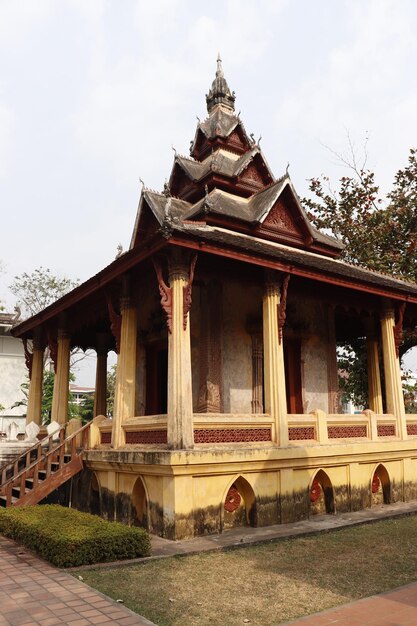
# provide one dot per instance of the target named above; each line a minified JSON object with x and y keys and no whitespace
{"x":69,"y":538}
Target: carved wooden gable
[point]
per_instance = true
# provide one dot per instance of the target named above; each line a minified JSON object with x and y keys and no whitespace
{"x":252,"y":174}
{"x":284,"y":221}
{"x":147,"y":226}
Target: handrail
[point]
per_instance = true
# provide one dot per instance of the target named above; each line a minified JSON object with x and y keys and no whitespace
{"x":45,"y":458}
{"x":27,"y":453}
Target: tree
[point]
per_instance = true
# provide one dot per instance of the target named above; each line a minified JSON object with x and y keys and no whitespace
{"x":379,"y":233}
{"x":47,"y":395}
{"x":39,"y":289}
{"x":111,"y":385}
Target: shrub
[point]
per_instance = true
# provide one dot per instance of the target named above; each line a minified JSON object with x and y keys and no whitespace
{"x":68,"y":538}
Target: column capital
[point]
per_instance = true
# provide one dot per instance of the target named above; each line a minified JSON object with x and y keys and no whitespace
{"x":125,"y":303}
{"x":63,"y":334}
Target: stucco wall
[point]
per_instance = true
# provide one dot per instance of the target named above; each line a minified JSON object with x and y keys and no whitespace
{"x":310,"y":316}
{"x":240,"y":303}
{"x":13,"y":373}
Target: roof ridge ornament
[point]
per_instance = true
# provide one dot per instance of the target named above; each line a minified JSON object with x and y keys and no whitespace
{"x":220,"y":92}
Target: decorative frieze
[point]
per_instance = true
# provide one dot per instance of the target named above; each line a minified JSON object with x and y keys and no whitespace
{"x":115,"y":323}
{"x":387,"y":430}
{"x":164,"y":291}
{"x":231,"y":435}
{"x":146,"y":436}
{"x":347,"y":432}
{"x":187,"y":291}
{"x":28,"y":357}
{"x":301,"y":433}
{"x":282,"y":307}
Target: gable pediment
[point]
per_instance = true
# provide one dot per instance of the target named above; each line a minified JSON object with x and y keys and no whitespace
{"x":285,"y":221}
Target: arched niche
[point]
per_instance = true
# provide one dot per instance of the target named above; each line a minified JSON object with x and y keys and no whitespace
{"x":140,"y":509}
{"x":380,"y":486}
{"x":238,"y":505}
{"x":321,"y":494}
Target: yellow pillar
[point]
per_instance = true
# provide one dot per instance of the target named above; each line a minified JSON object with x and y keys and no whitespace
{"x":274,"y":372}
{"x":35,"y":387}
{"x":59,"y":411}
{"x":180,"y":402}
{"x":374,"y":376}
{"x":100,"y":395}
{"x":124,"y":400}
{"x":392,"y":371}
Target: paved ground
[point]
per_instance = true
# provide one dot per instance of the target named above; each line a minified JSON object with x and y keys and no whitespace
{"x":33,"y":593}
{"x":394,"y":608}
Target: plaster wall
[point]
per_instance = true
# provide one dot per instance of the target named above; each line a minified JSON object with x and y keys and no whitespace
{"x":185,"y":491}
{"x":13,"y":373}
{"x":240,"y":303}
{"x":314,"y":356}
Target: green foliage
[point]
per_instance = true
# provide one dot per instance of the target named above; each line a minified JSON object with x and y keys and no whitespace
{"x":86,"y":409}
{"x":410,"y":397}
{"x":353,"y":374}
{"x":68,"y":538}
{"x":379,"y":233}
{"x":39,"y":289}
{"x":111,"y":384}
{"x":47,"y":395}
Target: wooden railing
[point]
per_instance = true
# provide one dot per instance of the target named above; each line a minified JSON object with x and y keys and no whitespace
{"x":54,"y":459}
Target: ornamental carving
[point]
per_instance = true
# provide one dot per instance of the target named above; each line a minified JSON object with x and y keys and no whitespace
{"x":279,"y":218}
{"x":233,"y":500}
{"x":165,"y":293}
{"x":209,"y":397}
{"x":115,"y":323}
{"x":282,"y":307}
{"x":398,"y":328}
{"x":234,"y":137}
{"x":315,"y":491}
{"x":376,"y":483}
{"x":251,"y":173}
{"x":187,"y":291}
{"x":28,"y":357}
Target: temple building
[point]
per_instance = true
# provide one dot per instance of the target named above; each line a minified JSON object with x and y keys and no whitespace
{"x":225,"y":314}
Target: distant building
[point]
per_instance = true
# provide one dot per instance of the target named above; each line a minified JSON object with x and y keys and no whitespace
{"x":80,"y":394}
{"x":13,"y":373}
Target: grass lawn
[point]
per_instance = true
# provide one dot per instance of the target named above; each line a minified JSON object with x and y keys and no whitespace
{"x":267,"y":584}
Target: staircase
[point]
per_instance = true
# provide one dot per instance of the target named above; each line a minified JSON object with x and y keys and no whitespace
{"x":43,"y":468}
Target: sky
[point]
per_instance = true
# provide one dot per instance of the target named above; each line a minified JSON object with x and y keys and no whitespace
{"x":95,"y":94}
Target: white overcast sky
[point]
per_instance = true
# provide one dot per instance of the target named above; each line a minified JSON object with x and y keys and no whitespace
{"x":93,"y":94}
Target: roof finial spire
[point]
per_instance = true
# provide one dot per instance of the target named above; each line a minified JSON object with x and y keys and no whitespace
{"x":220,"y":92}
{"x":219,"y":71}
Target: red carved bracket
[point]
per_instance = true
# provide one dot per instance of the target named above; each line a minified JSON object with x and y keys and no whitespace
{"x":398,"y":328}
{"x":53,"y":350}
{"x":165,"y":292}
{"x":115,"y":323}
{"x":282,"y":308}
{"x":187,"y":290}
{"x":28,"y":357}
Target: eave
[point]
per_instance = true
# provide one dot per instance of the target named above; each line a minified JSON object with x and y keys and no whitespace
{"x":265,"y":261}
{"x":99,"y":281}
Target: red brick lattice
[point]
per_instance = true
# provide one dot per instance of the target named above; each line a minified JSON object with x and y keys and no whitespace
{"x":229,"y":435}
{"x":345,"y":432}
{"x":105,"y":437}
{"x":387,"y":430}
{"x":411,"y":429}
{"x":146,"y":436}
{"x":299,"y":433}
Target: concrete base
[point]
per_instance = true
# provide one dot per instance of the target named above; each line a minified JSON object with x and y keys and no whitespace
{"x":183,"y":494}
